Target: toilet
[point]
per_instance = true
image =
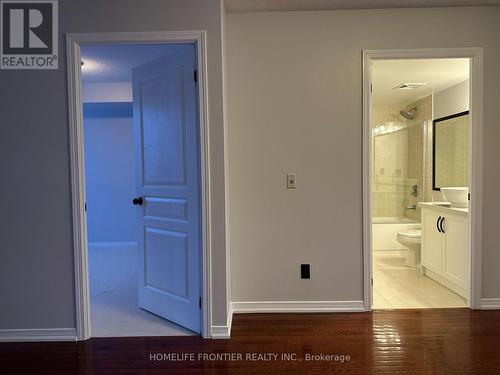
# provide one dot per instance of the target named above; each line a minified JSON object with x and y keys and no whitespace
{"x":411,"y":240}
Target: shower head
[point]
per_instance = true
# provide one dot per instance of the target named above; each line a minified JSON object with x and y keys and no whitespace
{"x":409,"y":114}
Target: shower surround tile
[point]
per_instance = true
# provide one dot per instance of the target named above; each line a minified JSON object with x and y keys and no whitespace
{"x":398,"y":160}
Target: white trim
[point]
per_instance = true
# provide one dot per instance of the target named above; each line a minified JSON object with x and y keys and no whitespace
{"x":476,"y":176}
{"x":490,"y":303}
{"x":224,"y":332}
{"x":80,"y":246}
{"x":78,"y":196}
{"x":230,"y":317}
{"x":38,"y":334}
{"x":226,"y":163}
{"x":476,"y":183}
{"x":297,"y":306}
{"x":221,"y":332}
{"x":367,"y":187}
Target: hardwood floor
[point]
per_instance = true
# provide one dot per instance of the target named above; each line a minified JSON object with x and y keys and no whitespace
{"x":427,"y":341}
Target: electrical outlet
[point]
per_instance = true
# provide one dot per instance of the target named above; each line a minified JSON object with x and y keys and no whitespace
{"x":291,"y":181}
{"x":305,"y":271}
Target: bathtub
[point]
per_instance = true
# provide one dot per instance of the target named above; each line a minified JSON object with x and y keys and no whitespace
{"x":385,"y":230}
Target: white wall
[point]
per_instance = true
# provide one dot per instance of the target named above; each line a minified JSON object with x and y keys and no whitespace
{"x":295,"y":106}
{"x":454,"y":99}
{"x":110,"y":176}
{"x":97,"y":92}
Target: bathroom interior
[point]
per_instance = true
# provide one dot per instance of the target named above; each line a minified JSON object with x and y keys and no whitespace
{"x":420,"y":183}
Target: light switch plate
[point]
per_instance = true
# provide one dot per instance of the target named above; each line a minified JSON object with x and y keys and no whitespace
{"x":291,"y":181}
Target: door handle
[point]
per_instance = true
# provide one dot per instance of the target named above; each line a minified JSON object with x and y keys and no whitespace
{"x":437,"y":224}
{"x":441,"y":225}
{"x":138,"y":201}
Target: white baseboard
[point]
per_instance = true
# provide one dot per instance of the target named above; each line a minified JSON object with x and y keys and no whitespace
{"x":221,"y":332}
{"x":102,"y":245}
{"x":297,"y":306}
{"x":224,"y":332}
{"x":38,"y":334}
{"x":490,"y":303}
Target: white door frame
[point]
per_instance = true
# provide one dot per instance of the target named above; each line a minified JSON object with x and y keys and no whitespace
{"x":475,"y":54}
{"x":80,"y":249}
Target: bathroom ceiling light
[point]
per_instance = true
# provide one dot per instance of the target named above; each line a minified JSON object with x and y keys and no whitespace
{"x":409,"y":85}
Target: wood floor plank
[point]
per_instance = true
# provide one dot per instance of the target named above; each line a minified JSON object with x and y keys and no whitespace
{"x":425,"y":341}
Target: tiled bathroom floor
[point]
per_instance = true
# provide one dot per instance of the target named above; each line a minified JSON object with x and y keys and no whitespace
{"x":397,"y":286}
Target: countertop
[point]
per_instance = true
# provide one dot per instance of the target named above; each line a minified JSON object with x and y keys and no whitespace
{"x":445,"y":207}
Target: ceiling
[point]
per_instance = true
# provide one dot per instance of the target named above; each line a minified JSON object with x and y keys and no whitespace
{"x":438,"y":74}
{"x":237,"y":6}
{"x":114,"y":63}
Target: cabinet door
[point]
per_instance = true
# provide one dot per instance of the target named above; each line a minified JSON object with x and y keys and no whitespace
{"x":432,"y":241}
{"x":455,"y":250}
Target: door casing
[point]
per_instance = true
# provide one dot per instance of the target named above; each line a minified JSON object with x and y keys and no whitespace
{"x":80,"y":246}
{"x":475,"y":56}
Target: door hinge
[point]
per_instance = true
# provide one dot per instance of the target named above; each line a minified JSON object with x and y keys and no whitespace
{"x":371,"y":88}
{"x":199,"y":302}
{"x":85,"y":206}
{"x":371,"y":281}
{"x":195,"y":74}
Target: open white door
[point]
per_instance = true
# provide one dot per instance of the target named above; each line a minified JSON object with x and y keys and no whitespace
{"x":168,"y":200}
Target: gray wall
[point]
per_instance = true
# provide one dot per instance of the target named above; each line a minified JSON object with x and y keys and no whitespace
{"x":295,"y":106}
{"x":36,"y":259}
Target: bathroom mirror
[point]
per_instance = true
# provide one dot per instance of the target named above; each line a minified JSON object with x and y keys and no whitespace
{"x":450,"y":150}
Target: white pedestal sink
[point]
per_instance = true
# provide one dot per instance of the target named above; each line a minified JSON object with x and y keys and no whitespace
{"x":457,"y":196}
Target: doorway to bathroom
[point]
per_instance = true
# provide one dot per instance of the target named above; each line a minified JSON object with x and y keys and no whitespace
{"x":139,"y":187}
{"x":419,"y":177}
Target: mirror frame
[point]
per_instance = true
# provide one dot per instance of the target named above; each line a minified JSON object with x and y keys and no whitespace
{"x":434,"y":123}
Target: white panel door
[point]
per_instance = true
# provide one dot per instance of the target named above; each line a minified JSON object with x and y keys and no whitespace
{"x":455,"y":253}
{"x":432,"y":241}
{"x":167,"y":163}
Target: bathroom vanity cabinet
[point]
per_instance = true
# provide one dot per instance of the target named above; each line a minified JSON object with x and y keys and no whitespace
{"x":445,"y":246}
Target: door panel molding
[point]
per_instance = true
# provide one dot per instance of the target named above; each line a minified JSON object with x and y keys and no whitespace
{"x":80,"y":245}
{"x":166,"y":132}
